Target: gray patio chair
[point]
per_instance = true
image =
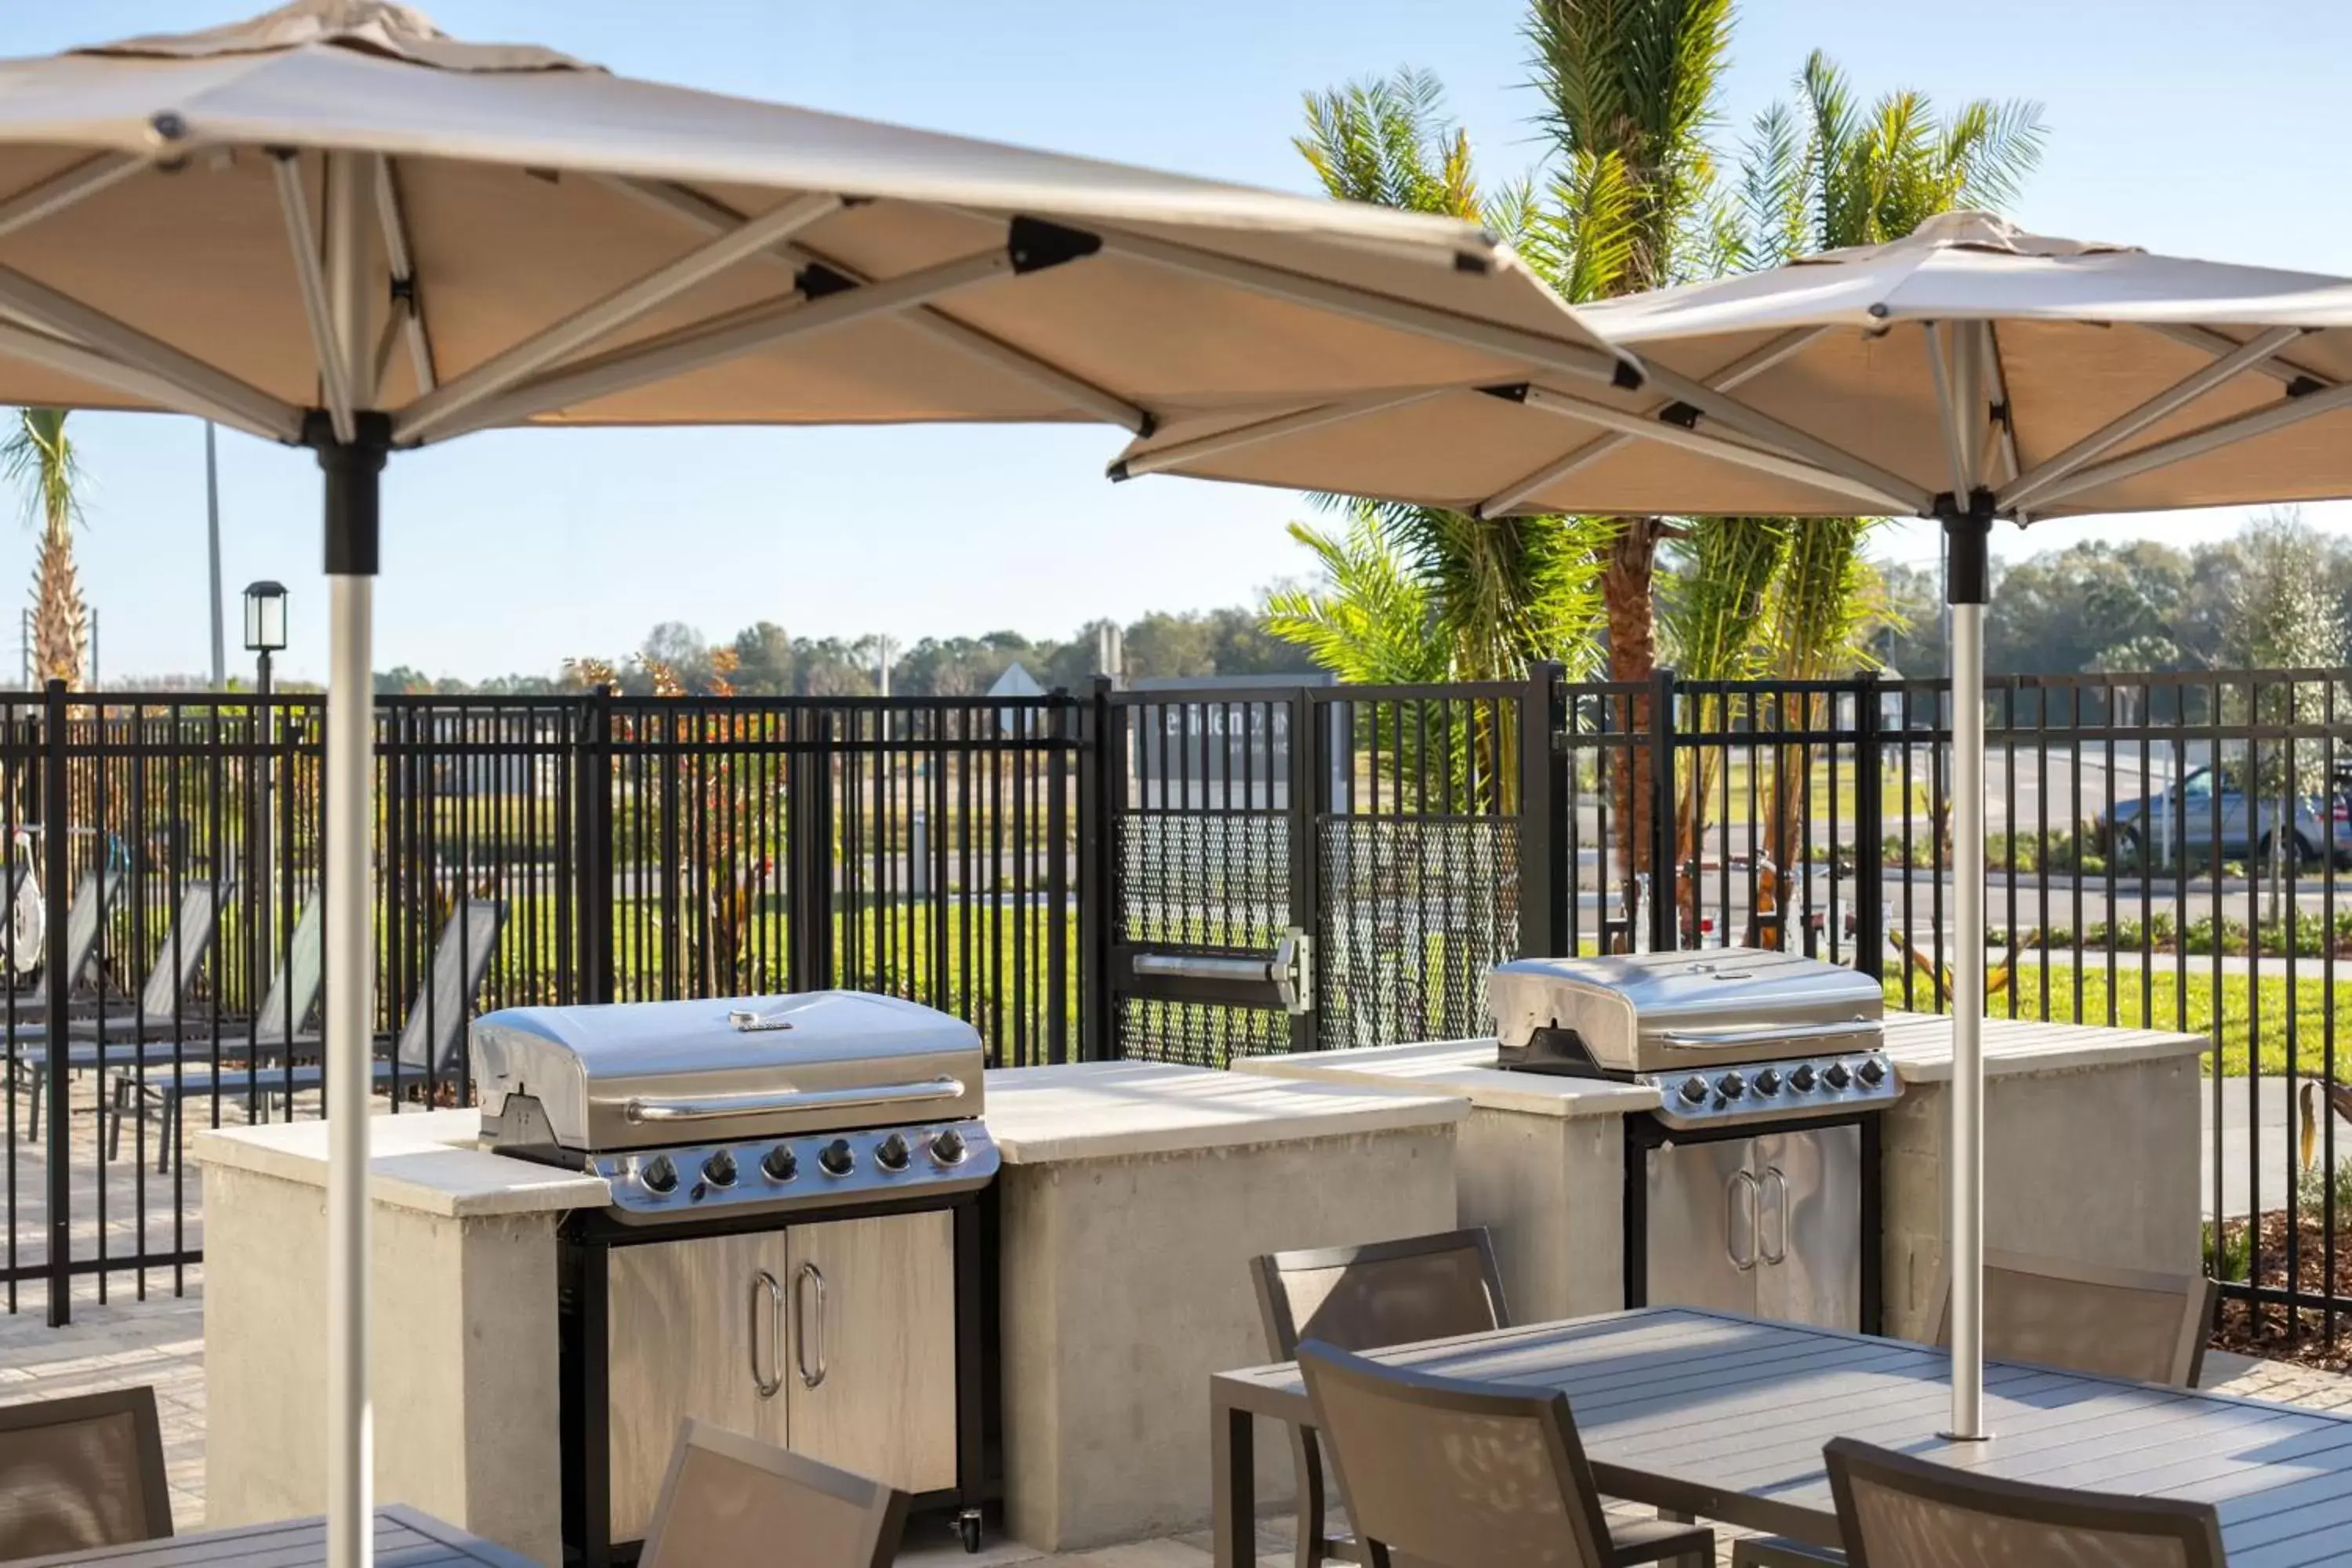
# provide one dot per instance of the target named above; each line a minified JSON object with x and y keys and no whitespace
{"x":2110,"y":1322}
{"x":80,"y":1474}
{"x":1896,"y":1510}
{"x":1360,"y":1298}
{"x":1470,"y":1475}
{"x":176,"y":963}
{"x":278,"y":1029}
{"x":431,"y":1049}
{"x":82,"y":921}
{"x":732,"y":1499}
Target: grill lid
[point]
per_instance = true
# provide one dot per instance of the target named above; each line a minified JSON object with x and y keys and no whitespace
{"x":640,"y":1074}
{"x":1649,"y":1012}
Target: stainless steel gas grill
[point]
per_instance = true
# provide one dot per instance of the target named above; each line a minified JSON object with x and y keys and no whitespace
{"x":793,"y":1248}
{"x":1753,"y":1186}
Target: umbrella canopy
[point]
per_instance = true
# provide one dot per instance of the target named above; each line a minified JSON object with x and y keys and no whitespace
{"x":1968,"y":373}
{"x":2106,"y":379}
{"x":336,"y":225}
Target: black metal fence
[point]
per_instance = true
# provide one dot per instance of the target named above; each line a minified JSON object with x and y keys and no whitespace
{"x":1182,"y":875}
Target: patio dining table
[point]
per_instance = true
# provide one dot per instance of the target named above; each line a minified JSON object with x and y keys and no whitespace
{"x":1724,"y":1417}
{"x":404,"y":1538}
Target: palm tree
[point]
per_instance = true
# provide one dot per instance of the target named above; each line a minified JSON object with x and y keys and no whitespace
{"x":40,"y":455}
{"x":1824,"y":175}
{"x":1629,"y":88}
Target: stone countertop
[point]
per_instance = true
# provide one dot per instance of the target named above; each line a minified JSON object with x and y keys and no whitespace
{"x":423,"y":1160}
{"x":1920,"y":1044}
{"x":1464,"y":1068}
{"x":1092,"y":1111}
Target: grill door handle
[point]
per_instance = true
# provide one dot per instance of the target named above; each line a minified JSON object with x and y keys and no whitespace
{"x":810,"y":1274}
{"x":1743,"y":1184}
{"x":719,"y":1107}
{"x":1778,"y":1179}
{"x":764,"y":1284}
{"x":1715,"y":1039}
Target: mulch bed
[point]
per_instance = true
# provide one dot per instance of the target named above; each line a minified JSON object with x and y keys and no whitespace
{"x":2264,"y":1330}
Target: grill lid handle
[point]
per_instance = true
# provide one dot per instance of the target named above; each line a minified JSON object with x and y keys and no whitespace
{"x":719,"y":1107}
{"x":1715,"y":1039}
{"x":747,"y":1022}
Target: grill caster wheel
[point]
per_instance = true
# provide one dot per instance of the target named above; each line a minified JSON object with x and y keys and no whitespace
{"x":968,"y":1526}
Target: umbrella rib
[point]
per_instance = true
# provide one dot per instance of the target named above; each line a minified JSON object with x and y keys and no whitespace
{"x":32,"y":347}
{"x":409,"y":304}
{"x":2264,"y":421}
{"x":62,"y":190}
{"x":1178,"y":454}
{"x":713,"y":216}
{"x":2005,"y":420}
{"x":2181,"y":394}
{"x":1516,"y":344}
{"x":1909,"y":497}
{"x":1735,"y":375}
{"x":2279,"y":368}
{"x":512,"y":366}
{"x":1944,"y":370}
{"x":196,"y":387}
{"x":724,"y":338}
{"x":334,"y":378}
{"x":1647,"y":428}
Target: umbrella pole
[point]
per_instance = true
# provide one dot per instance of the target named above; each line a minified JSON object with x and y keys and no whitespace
{"x":1966,"y":584}
{"x":352,"y":475}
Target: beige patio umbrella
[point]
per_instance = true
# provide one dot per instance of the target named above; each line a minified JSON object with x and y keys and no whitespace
{"x":333,"y":225}
{"x":1968,"y":373}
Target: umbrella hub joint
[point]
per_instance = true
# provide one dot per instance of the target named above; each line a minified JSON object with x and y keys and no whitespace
{"x":1968,"y":534}
{"x":353,"y":471}
{"x":1035,"y":245}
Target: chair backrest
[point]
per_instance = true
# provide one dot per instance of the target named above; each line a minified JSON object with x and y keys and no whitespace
{"x":2111,"y":1322}
{"x":732,"y":1499}
{"x":1897,"y":1512}
{"x":1387,"y":1293}
{"x":294,"y":986}
{"x":81,"y":1473}
{"x":182,"y":953}
{"x":94,"y":895}
{"x":431,"y":1040}
{"x":1466,"y":1475}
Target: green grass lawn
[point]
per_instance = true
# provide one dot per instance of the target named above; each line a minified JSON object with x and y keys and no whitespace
{"x":2257,"y":1020}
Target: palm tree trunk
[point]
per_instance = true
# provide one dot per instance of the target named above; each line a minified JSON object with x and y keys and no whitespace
{"x":60,"y":628}
{"x":1625,"y":587}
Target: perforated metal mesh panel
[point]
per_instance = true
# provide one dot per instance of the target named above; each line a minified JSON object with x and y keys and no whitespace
{"x":1197,"y":1034}
{"x":1415,"y":911}
{"x":1205,"y":881}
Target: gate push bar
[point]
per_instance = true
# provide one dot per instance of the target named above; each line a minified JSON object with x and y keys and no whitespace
{"x":1289,"y":969}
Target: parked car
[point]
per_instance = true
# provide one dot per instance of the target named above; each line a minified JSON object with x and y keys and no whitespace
{"x":2192,"y":806}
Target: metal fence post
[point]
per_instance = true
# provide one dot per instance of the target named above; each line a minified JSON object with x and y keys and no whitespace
{"x":593,"y":822}
{"x":1665,"y":894}
{"x":56,"y":872}
{"x":1308,"y":786}
{"x":808,"y":772}
{"x":1869,"y":830}
{"x":1545,"y":880}
{"x":1097,"y":872}
{"x":1057,"y":878}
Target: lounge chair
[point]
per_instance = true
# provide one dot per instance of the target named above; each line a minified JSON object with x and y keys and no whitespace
{"x":431,"y":1049}
{"x":82,"y":921}
{"x":81,"y":1473}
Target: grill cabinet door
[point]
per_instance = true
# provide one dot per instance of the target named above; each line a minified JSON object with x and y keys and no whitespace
{"x":1702,"y":1232}
{"x":688,"y":1319}
{"x":870,"y":1364}
{"x":1809,"y":1230}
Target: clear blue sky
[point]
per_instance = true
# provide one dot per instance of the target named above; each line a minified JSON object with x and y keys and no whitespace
{"x":2204,"y":129}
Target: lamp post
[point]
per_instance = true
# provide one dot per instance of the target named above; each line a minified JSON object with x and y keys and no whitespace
{"x":264,"y":634}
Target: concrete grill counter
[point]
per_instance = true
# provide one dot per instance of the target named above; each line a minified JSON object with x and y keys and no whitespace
{"x":1130,"y":1200}
{"x":2091,"y":1154}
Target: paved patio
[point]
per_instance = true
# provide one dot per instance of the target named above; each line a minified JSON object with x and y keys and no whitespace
{"x":160,"y":1342}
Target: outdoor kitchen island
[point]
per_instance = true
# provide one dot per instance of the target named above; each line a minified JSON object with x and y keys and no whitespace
{"x":2091,"y":1154}
{"x":1131,"y":1199}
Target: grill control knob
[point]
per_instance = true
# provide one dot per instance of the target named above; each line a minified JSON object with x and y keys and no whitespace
{"x":947,"y":1146}
{"x":891,"y":1152}
{"x":1768,"y":1081}
{"x":1835,"y":1075}
{"x":1695,"y":1089}
{"x":780,"y":1163}
{"x":1803,"y":1079}
{"x":720,"y":1168}
{"x":658,"y":1174}
{"x":1872,"y":1072}
{"x":1731,"y":1085}
{"x":837,"y":1158}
